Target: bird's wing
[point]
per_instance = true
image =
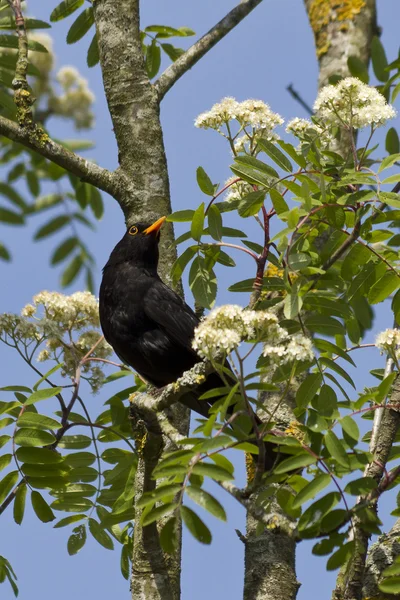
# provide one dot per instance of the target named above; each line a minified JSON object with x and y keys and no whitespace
{"x":171,"y":313}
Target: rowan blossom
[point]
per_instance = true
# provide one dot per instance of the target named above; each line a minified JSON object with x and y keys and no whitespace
{"x":388,"y":341}
{"x":352,"y":103}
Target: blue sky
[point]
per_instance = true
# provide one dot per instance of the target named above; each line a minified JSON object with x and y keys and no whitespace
{"x":270,"y":49}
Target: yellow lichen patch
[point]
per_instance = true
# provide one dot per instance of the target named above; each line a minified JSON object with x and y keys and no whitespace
{"x":250,"y":467}
{"x":323,"y":12}
{"x":140,"y":442}
{"x":294,"y":431}
{"x":132,"y":397}
{"x":274,"y":523}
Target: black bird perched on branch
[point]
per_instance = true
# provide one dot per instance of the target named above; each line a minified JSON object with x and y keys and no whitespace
{"x":149,"y":326}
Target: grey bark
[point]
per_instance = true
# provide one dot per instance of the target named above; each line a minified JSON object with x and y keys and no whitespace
{"x":134,"y":109}
{"x":270,"y":572}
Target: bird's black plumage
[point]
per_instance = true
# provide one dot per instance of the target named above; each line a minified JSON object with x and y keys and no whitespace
{"x":149,"y":326}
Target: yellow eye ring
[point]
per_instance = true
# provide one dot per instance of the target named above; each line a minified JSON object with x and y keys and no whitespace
{"x":133,"y":230}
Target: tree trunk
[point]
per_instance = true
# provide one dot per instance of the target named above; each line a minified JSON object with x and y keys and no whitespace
{"x":135,"y":112}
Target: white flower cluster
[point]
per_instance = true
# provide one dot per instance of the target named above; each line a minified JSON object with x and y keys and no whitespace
{"x":77,"y":311}
{"x":237,"y":190}
{"x":77,"y":99}
{"x":253,"y":114}
{"x":225,"y":327}
{"x":298,"y":348}
{"x":66,"y":325}
{"x":352,"y":103}
{"x":308,"y":131}
{"x":389,"y":341}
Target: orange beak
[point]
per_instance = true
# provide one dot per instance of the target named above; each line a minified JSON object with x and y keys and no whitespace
{"x":155,"y":227}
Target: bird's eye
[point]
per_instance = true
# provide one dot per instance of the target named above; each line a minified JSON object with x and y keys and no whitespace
{"x":133,"y":230}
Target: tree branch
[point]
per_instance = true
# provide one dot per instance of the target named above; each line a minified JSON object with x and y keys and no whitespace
{"x":351,"y":579}
{"x":73,"y":163}
{"x":202,"y":46}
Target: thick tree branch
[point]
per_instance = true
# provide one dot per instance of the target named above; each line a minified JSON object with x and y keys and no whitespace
{"x":202,"y":46}
{"x":351,"y":579}
{"x":73,"y":163}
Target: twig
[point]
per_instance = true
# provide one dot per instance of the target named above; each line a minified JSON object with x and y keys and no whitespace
{"x":202,"y":46}
{"x":299,"y":99}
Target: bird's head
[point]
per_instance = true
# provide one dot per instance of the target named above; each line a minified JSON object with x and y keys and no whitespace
{"x":139,"y":245}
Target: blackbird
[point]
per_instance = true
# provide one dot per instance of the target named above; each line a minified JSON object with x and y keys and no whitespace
{"x":148,"y":325}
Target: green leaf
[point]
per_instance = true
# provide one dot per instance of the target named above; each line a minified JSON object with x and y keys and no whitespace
{"x":197,"y":226}
{"x":389,"y":161}
{"x":64,"y":9}
{"x":311,"y":489}
{"x":203,"y":283}
{"x":41,"y":456}
{"x":9,"y":23}
{"x":250,"y":204}
{"x":64,"y":250}
{"x":215,"y":222}
{"x":100,"y":535}
{"x":341,"y":556}
{"x":33,"y":437}
{"x":19,"y":504}
{"x":361,"y":486}
{"x":36,"y":421}
{"x":80,"y":26}
{"x":257,"y":165}
{"x":308,"y":389}
{"x":195,"y":525}
{"x":206,"y":501}
{"x":214,"y":471}
{"x":11,"y":41}
{"x":356,"y":257}
{"x":390,"y":585}
{"x":43,"y":394}
{"x":336,"y":449}
{"x":4,"y":253}
{"x":9,"y":192}
{"x":204,"y":182}
{"x":298,"y":261}
{"x":350,"y":428}
{"x":291,"y":150}
{"x":169,"y":536}
{"x":181,"y":262}
{"x":72,"y":271}
{"x":325,"y":325}
{"x":93,"y":56}
{"x":156,"y":513}
{"x":153,"y":59}
{"x":41,"y":508}
{"x":96,"y":202}
{"x":302,"y":459}
{"x":5,"y":461}
{"x":172,"y":51}
{"x":278,"y":201}
{"x":77,"y":540}
{"x":357,"y":68}
{"x":68,"y":521}
{"x":277,"y":156}
{"x":327,"y":401}
{"x":7,"y":484}
{"x":52,"y":226}
{"x":10,"y":217}
{"x":382,"y":288}
{"x":379,"y":60}
{"x":392,"y":143}
{"x":181,"y":216}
